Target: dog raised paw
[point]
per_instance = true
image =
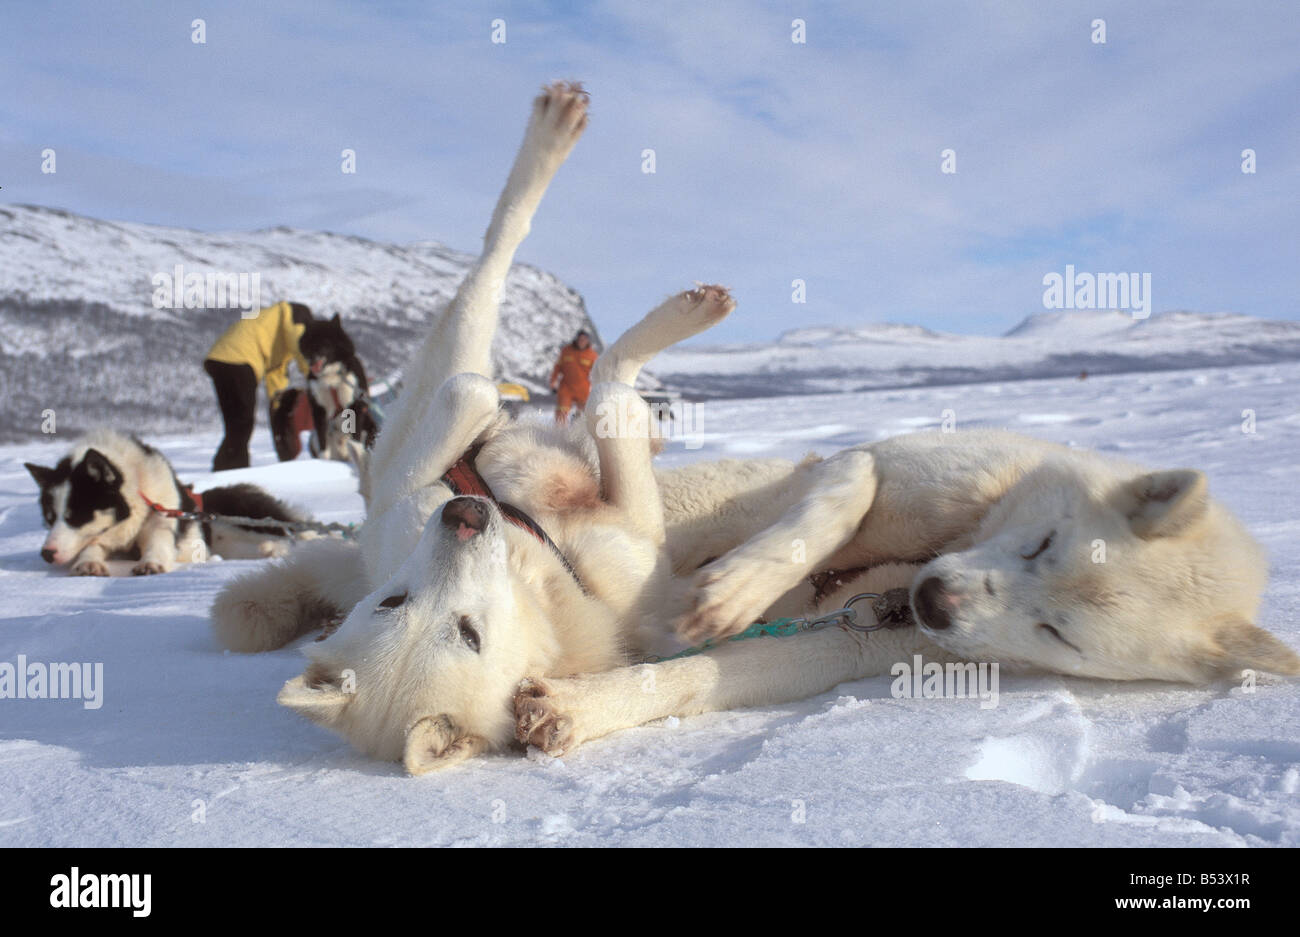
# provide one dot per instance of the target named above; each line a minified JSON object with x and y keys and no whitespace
{"x":727,"y":597}
{"x":691,"y":312}
{"x":539,"y":721}
{"x":559,"y":117}
{"x":709,"y":302}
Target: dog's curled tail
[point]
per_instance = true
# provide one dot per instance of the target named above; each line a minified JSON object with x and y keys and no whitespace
{"x":318,"y":582}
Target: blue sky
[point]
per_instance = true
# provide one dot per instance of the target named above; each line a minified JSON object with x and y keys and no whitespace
{"x":775,"y":160}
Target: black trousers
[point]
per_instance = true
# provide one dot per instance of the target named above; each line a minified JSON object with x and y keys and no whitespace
{"x":236,"y":386}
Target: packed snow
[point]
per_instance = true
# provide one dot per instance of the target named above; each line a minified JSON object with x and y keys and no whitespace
{"x":189,"y":747}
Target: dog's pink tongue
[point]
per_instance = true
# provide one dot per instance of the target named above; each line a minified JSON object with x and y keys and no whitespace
{"x":464,"y":532}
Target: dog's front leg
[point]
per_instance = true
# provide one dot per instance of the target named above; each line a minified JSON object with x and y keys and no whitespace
{"x":157,"y":542}
{"x":619,"y":420}
{"x":731,"y":593}
{"x":92,"y":561}
{"x":461,"y":341}
{"x":461,"y":411}
{"x":556,"y":715}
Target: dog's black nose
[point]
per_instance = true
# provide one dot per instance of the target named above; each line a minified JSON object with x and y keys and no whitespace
{"x":929,"y":605}
{"x":467,"y":516}
{"x":47,"y":555}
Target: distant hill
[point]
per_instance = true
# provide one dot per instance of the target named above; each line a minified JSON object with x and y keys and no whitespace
{"x":79,"y":332}
{"x":830,"y":359}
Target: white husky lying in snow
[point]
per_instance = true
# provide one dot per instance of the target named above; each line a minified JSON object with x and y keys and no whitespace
{"x":477,"y":619}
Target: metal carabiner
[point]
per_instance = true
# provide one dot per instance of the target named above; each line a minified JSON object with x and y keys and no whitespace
{"x":851,"y":618}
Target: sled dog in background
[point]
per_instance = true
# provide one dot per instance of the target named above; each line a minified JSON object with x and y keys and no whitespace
{"x":340,"y":391}
{"x":507,"y":571}
{"x":335,"y":405}
{"x":95,"y":502}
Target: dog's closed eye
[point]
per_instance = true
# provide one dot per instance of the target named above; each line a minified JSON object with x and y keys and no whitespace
{"x":1044,"y":626}
{"x":393,"y":601}
{"x":1042,"y":547}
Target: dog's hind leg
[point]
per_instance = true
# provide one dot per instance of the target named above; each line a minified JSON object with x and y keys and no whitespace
{"x":731,"y":593}
{"x":619,"y":419}
{"x":461,"y":341}
{"x":266,"y":609}
{"x":676,"y":319}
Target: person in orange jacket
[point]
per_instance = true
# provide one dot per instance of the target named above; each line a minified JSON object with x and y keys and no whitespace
{"x":571,"y":376}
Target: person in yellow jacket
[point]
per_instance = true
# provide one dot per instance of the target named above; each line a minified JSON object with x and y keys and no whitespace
{"x":258,"y":348}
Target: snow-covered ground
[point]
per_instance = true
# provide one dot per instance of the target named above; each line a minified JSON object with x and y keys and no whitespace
{"x":190,"y":748}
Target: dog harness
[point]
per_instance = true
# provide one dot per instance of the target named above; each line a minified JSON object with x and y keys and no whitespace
{"x":463,"y":479}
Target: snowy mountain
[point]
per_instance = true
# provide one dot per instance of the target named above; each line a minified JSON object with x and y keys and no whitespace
{"x":80,"y":334}
{"x":1056,"y":344}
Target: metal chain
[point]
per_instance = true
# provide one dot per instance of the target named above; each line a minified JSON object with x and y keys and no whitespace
{"x":347,"y":531}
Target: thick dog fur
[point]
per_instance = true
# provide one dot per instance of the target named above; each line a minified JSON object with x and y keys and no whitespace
{"x":93,"y":503}
{"x":463,"y":630}
{"x":1015,"y":551}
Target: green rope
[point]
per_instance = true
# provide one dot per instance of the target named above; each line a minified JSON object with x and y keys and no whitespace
{"x":890,"y":609}
{"x":781,"y":628}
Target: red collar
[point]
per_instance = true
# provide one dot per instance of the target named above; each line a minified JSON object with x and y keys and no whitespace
{"x":187,"y":493}
{"x":463,"y":478}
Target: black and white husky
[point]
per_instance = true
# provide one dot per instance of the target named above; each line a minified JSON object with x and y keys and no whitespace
{"x":335,"y":407}
{"x":97,"y":505}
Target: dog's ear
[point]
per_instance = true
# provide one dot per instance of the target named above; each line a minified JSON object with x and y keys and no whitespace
{"x":44,"y":476}
{"x":321,"y":702}
{"x":100,"y":469}
{"x":434,"y":742}
{"x":336,"y":320}
{"x":1161,"y":504}
{"x":1239,"y":645}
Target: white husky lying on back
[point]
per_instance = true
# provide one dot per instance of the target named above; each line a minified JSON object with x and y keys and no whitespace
{"x":499,"y":561}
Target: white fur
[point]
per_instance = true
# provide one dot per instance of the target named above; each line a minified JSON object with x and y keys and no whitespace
{"x":451,"y":621}
{"x":1142,"y":577}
